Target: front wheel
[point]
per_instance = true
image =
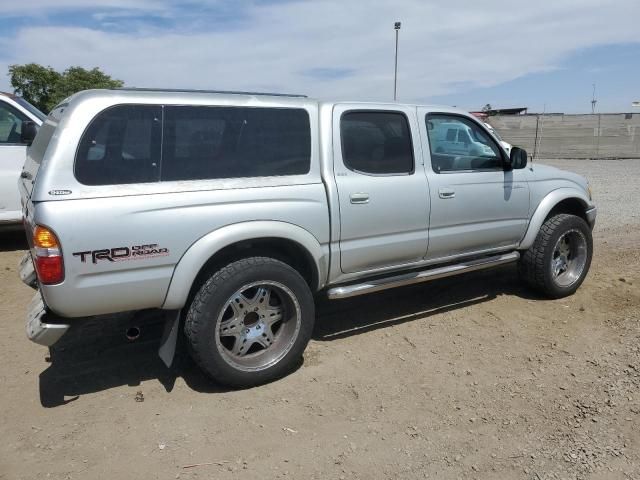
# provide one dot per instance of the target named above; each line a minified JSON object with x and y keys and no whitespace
{"x":250,"y":322}
{"x":559,"y":259}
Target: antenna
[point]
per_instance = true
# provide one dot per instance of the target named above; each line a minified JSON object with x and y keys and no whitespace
{"x":593,"y":100}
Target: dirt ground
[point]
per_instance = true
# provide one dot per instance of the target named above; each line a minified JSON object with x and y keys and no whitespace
{"x":470,"y":377}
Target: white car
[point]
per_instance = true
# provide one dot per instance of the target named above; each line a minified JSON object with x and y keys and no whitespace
{"x":14,"y":112}
{"x":506,"y":145}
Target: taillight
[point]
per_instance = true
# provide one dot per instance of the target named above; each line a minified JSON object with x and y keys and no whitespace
{"x":47,"y":256}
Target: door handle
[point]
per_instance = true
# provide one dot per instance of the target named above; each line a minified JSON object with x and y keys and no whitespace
{"x":445,"y":192}
{"x":359,"y":198}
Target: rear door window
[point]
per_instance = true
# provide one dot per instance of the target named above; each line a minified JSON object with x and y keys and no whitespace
{"x":201,"y":142}
{"x":120,"y":146}
{"x":376,"y":143}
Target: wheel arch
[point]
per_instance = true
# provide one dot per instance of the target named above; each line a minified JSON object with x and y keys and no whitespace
{"x":562,"y":200}
{"x":284,"y":241}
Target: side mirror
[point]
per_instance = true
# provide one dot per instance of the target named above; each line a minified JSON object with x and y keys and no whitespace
{"x":29,"y":131}
{"x":517,"y":158}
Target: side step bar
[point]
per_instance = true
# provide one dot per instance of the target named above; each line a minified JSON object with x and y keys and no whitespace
{"x":402,"y":280}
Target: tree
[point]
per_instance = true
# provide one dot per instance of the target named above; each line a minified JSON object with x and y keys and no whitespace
{"x":34,"y":83}
{"x":75,"y":79}
{"x":487,"y":108}
{"x":45,"y":88}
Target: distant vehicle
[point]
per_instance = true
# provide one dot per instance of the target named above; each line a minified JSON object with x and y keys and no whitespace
{"x":231,"y":211}
{"x":457,"y":138}
{"x":16,"y":115}
{"x":505,"y":145}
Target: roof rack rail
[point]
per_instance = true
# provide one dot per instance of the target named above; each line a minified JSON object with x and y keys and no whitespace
{"x":226,"y":92}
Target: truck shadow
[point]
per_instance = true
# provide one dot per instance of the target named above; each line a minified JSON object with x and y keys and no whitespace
{"x":80,"y":367}
{"x":343,"y":318}
{"x":110,"y":359}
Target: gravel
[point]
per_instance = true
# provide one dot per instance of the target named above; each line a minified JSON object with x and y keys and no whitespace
{"x":470,"y":377}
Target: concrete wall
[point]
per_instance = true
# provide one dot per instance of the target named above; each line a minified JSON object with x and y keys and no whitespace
{"x":606,"y":135}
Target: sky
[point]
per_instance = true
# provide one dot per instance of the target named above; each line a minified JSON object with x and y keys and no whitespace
{"x":542,"y":54}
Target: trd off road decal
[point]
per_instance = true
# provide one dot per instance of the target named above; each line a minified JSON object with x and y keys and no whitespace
{"x":119,"y":254}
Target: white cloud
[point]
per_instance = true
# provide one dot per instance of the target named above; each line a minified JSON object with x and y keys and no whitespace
{"x":279,"y":47}
{"x":37,"y":7}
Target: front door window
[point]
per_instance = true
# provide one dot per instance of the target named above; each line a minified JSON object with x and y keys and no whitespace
{"x":458,"y":144}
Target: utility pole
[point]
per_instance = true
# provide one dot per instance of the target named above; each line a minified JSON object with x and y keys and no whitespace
{"x":593,"y":100}
{"x":396,"y":27}
{"x":538,"y":141}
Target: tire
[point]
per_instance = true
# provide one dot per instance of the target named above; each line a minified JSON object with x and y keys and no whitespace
{"x":238,"y":339}
{"x":559,"y":259}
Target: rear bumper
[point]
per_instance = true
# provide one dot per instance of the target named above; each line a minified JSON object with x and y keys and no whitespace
{"x":11,"y":225}
{"x":591,"y":216}
{"x":11,"y":217}
{"x":40,"y":327}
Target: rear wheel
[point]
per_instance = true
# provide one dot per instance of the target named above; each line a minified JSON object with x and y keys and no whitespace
{"x":250,"y":322}
{"x":559,"y":259}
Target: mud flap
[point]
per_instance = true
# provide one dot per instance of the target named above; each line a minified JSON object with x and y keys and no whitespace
{"x":167,"y":350}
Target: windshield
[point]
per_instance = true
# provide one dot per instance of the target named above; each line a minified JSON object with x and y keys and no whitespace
{"x":30,"y":108}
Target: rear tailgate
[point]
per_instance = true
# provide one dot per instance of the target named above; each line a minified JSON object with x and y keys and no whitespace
{"x":26,"y":182}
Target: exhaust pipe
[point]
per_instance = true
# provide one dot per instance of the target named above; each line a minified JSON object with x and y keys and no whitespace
{"x":132,"y":333}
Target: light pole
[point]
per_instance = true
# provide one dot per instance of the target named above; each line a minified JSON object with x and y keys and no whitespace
{"x":396,"y":27}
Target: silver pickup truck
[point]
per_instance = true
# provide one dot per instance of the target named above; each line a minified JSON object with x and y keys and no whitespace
{"x":232,"y":210}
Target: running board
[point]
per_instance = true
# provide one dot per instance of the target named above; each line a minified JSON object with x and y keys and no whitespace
{"x":371,"y":286}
